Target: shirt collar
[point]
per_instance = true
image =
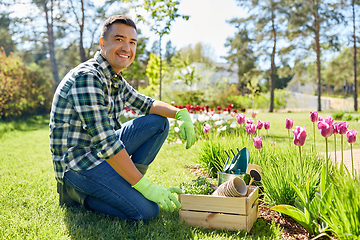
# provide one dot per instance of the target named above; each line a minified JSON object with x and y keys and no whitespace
{"x":107,"y":69}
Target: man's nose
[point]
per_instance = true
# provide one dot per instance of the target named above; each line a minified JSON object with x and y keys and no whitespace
{"x":125,"y":46}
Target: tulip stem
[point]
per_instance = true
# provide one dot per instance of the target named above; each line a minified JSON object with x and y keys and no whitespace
{"x":301,"y":164}
{"x":327,"y":155}
{"x":335,"y":146}
{"x":314,"y":136}
{"x":289,"y":135}
{"x":352,"y":161}
{"x":342,"y":154}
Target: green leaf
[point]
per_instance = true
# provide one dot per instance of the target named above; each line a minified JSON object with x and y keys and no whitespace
{"x":296,"y":214}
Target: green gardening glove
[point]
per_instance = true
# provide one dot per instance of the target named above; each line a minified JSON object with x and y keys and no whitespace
{"x":186,"y":128}
{"x":158,"y":194}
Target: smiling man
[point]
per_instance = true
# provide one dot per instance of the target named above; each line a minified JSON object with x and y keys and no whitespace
{"x":99,"y":162}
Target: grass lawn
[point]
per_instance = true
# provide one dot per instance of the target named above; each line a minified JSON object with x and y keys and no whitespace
{"x":29,"y":202}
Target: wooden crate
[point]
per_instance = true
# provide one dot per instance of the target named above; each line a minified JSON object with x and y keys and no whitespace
{"x":218,"y":212}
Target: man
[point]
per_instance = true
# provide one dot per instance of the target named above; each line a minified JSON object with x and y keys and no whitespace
{"x":98,"y":162}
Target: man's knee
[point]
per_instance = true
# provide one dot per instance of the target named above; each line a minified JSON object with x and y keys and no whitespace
{"x":150,"y":212}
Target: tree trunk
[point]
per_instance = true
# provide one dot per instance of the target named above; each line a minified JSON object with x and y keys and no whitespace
{"x":354,"y":38}
{"x":51,"y":44}
{"x":82,"y":50}
{"x":318,"y":54}
{"x":273,"y":68}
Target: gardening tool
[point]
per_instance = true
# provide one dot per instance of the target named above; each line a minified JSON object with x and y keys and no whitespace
{"x":255,"y":176}
{"x":239,"y":161}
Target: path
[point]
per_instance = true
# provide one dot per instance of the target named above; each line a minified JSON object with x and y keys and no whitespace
{"x":347,"y":158}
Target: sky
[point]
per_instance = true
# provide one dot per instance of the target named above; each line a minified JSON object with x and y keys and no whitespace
{"x":207,"y":24}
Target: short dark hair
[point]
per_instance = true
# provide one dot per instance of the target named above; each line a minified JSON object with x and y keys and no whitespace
{"x":115,"y":19}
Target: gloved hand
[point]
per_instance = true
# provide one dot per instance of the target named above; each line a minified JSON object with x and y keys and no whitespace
{"x":186,"y":128}
{"x":158,"y":194}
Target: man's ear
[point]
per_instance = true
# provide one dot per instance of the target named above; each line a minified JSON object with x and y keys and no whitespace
{"x":101,"y":42}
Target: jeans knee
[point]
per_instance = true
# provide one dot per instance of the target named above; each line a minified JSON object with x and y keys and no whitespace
{"x":150,"y":213}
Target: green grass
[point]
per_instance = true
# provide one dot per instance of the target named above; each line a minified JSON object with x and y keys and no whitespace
{"x":29,"y":201}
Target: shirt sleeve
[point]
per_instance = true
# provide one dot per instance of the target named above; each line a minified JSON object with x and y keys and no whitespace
{"x":88,"y":99}
{"x":137,"y":100}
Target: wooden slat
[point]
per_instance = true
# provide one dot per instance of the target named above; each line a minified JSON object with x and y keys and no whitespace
{"x":231,"y":222}
{"x":219,"y":204}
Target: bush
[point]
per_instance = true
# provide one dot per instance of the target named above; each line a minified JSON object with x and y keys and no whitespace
{"x":23,"y":91}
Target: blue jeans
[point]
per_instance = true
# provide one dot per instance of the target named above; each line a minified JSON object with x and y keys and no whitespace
{"x":107,"y":191}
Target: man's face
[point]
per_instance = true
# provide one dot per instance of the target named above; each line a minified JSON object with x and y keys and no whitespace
{"x":120,"y":46}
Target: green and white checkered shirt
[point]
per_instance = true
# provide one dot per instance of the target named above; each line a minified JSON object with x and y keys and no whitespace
{"x":84,"y":116}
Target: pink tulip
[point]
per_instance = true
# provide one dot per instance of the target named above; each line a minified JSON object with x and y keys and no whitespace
{"x":267,"y":125}
{"x":314,"y":116}
{"x":335,"y":127}
{"x":250,"y":128}
{"x":240,"y":118}
{"x":259,"y":125}
{"x":206,"y":128}
{"x":289,"y":123}
{"x":326,"y":126}
{"x":342,"y":128}
{"x":253,"y":114}
{"x":249,"y":121}
{"x":351,"y":136}
{"x":299,"y":136}
{"x":320,"y":119}
{"x":257,"y":142}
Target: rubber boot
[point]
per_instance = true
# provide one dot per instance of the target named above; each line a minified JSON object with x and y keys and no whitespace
{"x":69,"y":197}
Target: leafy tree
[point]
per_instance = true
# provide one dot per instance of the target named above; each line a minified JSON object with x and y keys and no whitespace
{"x":5,"y":35}
{"x":198,"y":53}
{"x":184,"y":70}
{"x":315,"y":21}
{"x":241,"y":54}
{"x":162,"y":14}
{"x":266,"y":17}
{"x":170,"y":51}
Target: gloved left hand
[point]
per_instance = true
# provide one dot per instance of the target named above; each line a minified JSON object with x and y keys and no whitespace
{"x":186,"y":128}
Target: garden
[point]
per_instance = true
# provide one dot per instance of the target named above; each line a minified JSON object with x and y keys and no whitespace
{"x":303,"y":194}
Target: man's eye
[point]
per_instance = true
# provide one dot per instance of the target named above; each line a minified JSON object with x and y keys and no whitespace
{"x":119,"y":39}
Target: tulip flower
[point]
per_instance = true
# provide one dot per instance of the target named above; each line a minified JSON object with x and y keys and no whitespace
{"x":335,"y":131}
{"x":299,"y":140}
{"x":257,"y":141}
{"x":260,"y":124}
{"x":314,"y":116}
{"x":249,"y":121}
{"x":240,"y":118}
{"x":250,"y":128}
{"x":206,"y":128}
{"x":299,"y":136}
{"x":288,"y":125}
{"x":267,"y":126}
{"x":326,"y":129}
{"x":253,"y":114}
{"x":320,"y":118}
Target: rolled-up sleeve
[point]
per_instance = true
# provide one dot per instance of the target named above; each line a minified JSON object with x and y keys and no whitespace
{"x":88,"y":99}
{"x":136,"y":100}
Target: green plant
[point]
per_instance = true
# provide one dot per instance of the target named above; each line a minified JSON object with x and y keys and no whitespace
{"x":306,"y":209}
{"x":342,"y":212}
{"x":338,"y":115}
{"x":201,"y":185}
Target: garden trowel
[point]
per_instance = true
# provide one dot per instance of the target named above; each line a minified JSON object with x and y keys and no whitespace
{"x":238,"y":163}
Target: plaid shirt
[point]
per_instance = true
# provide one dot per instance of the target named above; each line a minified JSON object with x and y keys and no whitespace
{"x":84,"y":116}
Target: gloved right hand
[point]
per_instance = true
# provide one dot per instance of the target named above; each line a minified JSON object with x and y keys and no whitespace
{"x":158,"y":194}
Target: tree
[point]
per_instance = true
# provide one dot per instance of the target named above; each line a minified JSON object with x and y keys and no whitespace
{"x":200,"y":52}
{"x":353,"y":4}
{"x":163,"y":13}
{"x":170,"y":51}
{"x":5,"y":35}
{"x":314,"y":20}
{"x":266,"y":17}
{"x":241,"y":53}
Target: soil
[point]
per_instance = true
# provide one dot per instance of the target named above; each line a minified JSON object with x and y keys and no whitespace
{"x":291,"y":228}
